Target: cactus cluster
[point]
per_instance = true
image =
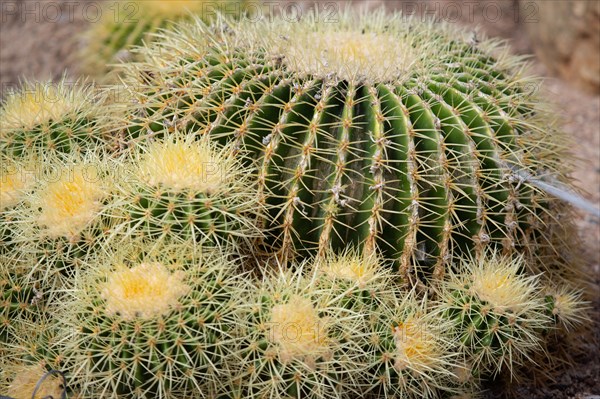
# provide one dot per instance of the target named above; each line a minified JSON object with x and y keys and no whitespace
{"x":310,"y":333}
{"x":284,"y":210}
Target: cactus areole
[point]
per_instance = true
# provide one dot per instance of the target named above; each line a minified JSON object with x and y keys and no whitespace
{"x":379,"y":131}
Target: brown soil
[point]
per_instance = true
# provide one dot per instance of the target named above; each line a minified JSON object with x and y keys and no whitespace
{"x":39,"y":45}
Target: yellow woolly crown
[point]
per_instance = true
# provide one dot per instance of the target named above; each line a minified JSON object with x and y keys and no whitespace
{"x":182,"y":165}
{"x":298,"y":330}
{"x":145,"y":291}
{"x":68,"y":204}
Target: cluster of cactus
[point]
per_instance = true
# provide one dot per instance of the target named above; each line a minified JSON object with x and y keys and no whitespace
{"x":277,"y":211}
{"x":165,"y":321}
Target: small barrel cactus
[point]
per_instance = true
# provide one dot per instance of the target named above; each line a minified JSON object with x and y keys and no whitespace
{"x":48,"y":117}
{"x":149,"y":320}
{"x":189,"y":190}
{"x":407,"y":352}
{"x":496,"y":312}
{"x":63,"y":217}
{"x":298,"y":343}
{"x":130,"y":23}
{"x":567,"y":306}
{"x":380,"y":131}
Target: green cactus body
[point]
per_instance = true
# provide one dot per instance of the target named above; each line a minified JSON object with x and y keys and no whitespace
{"x":150,"y":321}
{"x":496,"y":313}
{"x":126,"y":24}
{"x":187,"y":190}
{"x":47,"y":117}
{"x":377,"y":131}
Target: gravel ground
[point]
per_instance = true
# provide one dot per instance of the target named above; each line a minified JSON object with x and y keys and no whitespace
{"x":40,"y":45}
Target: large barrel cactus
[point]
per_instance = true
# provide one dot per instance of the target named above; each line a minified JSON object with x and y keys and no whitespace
{"x":381,"y":132}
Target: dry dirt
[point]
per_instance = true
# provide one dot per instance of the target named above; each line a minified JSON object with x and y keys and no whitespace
{"x":40,"y":44}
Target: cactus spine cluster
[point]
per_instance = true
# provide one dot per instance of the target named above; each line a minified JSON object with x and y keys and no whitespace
{"x":414,"y":155}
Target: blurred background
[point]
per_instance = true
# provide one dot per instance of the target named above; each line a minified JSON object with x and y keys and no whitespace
{"x":40,"y":40}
